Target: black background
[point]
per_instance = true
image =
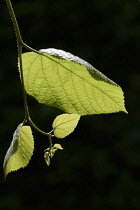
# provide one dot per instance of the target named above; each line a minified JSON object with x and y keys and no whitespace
{"x":99,"y":167}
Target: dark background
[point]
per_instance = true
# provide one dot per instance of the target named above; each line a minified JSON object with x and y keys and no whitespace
{"x":99,"y":167}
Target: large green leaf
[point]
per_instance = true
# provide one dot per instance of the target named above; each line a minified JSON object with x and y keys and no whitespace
{"x":65,"y":124}
{"x":20,"y":150}
{"x":62,"y":80}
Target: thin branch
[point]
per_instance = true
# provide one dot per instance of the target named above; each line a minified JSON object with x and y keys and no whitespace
{"x":14,"y":20}
{"x":20,"y":45}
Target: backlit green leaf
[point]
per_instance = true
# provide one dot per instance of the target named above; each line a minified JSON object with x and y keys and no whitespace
{"x":65,"y":124}
{"x":20,"y":150}
{"x":62,"y":80}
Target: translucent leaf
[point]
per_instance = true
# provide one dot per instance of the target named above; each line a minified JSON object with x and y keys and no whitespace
{"x":65,"y":124}
{"x":65,"y":81}
{"x":20,"y":150}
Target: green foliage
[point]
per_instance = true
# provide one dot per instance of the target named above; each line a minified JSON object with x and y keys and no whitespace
{"x":65,"y":124}
{"x":20,"y":150}
{"x":59,"y":79}
{"x":49,"y":152}
{"x":69,"y":85}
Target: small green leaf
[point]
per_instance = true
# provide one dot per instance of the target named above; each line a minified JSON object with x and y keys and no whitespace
{"x":50,"y":152}
{"x":60,"y":79}
{"x":20,"y":150}
{"x":58,"y":146}
{"x":65,"y":124}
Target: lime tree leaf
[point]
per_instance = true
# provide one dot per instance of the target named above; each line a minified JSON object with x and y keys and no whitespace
{"x":20,"y":150}
{"x":65,"y":124}
{"x":65,"y":81}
